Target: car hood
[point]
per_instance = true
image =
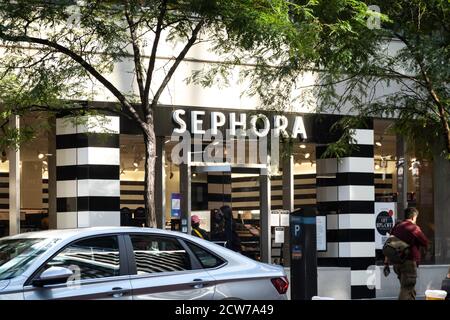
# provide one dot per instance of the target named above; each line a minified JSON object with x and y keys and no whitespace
{"x":3,"y":284}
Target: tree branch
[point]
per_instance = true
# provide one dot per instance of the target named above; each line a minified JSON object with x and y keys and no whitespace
{"x":178,"y":60}
{"x":151,"y":63}
{"x":89,"y":68}
{"x":137,"y":55}
{"x":431,"y":91}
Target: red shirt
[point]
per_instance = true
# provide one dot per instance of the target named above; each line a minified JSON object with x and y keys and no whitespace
{"x":412,"y":235}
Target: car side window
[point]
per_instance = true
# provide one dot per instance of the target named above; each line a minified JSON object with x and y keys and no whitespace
{"x":90,"y":258}
{"x":207,"y":259}
{"x":159,"y":254}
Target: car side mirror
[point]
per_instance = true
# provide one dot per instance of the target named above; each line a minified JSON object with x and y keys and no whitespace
{"x":53,"y":275}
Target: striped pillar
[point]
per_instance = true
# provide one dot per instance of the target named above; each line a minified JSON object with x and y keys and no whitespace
{"x":346,"y":195}
{"x":88,"y":172}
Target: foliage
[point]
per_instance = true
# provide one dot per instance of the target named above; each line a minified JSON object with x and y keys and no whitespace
{"x":59,"y":52}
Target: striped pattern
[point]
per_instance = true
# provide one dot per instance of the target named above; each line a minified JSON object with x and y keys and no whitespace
{"x":219,"y":189}
{"x":346,"y":195}
{"x":245,"y":192}
{"x":88,"y":172}
{"x":384,"y":190}
{"x":160,"y":261}
{"x":4,"y":190}
{"x":93,"y":265}
{"x":131,"y":194}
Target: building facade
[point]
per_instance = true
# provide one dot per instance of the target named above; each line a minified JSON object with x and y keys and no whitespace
{"x":86,"y":173}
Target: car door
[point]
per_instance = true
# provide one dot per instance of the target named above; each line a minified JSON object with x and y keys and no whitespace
{"x":162,"y":267}
{"x":100,"y":271}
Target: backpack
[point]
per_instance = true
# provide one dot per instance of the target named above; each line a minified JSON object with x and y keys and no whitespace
{"x":396,"y":250}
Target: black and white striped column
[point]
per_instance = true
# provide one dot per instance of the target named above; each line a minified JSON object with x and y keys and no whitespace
{"x":88,"y":172}
{"x":346,"y":195}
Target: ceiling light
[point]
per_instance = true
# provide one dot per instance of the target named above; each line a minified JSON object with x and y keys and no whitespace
{"x":135,"y":164}
{"x":378,"y":143}
{"x":45,"y":162}
{"x":302,"y":146}
{"x":194,"y":174}
{"x":377,"y":167}
{"x":307,"y":155}
{"x":136,"y":169}
{"x":41,"y":156}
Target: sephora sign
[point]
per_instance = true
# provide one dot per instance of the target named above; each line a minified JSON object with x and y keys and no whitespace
{"x":238,"y":124}
{"x":234,"y":137}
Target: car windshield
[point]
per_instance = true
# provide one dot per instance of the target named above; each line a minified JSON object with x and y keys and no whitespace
{"x":16,"y":255}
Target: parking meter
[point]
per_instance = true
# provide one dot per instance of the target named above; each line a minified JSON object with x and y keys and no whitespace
{"x":303,"y":250}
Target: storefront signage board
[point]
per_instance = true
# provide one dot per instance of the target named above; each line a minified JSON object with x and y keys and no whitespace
{"x":175,"y":207}
{"x":279,"y":235}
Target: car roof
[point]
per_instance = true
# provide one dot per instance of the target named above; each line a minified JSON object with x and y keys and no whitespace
{"x":80,"y":232}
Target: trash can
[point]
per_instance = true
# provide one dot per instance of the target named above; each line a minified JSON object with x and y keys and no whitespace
{"x":435,"y":295}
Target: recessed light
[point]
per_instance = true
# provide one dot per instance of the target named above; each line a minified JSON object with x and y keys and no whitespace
{"x":377,"y":167}
{"x":41,"y":156}
{"x":302,"y":146}
{"x":378,"y":143}
{"x":135,"y":164}
{"x":307,"y":155}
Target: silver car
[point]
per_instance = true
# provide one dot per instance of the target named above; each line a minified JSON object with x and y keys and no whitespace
{"x":130,"y":263}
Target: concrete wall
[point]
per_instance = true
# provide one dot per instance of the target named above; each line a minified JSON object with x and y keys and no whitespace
{"x":332,"y":282}
{"x":335,"y":282}
{"x":428,"y":277}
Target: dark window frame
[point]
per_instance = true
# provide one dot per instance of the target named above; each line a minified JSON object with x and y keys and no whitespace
{"x":123,"y":265}
{"x":132,"y":267}
{"x":224,"y":261}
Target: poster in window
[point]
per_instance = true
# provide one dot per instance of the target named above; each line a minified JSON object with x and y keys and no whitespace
{"x":321,"y":225}
{"x":384,"y":221}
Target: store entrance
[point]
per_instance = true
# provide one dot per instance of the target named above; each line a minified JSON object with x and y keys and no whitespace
{"x":237,"y":189}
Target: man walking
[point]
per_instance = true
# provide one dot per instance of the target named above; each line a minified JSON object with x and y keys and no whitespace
{"x":409,"y":232}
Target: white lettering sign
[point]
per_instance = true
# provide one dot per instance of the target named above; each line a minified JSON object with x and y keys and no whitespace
{"x":237,"y":124}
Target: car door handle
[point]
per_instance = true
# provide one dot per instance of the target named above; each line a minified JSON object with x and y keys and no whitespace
{"x":118,"y":292}
{"x":198,"y":283}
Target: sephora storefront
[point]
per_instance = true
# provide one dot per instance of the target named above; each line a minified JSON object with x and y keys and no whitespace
{"x":262,"y":165}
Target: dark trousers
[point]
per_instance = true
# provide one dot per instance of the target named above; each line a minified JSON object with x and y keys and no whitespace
{"x":407,"y":274}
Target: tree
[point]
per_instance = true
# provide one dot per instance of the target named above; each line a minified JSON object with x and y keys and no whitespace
{"x":410,"y":51}
{"x":373,"y":59}
{"x":52,"y":48}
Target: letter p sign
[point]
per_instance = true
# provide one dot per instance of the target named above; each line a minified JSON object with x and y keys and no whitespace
{"x":296,"y":230}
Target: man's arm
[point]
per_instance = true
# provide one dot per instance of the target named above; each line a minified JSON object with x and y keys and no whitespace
{"x":420,"y":237}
